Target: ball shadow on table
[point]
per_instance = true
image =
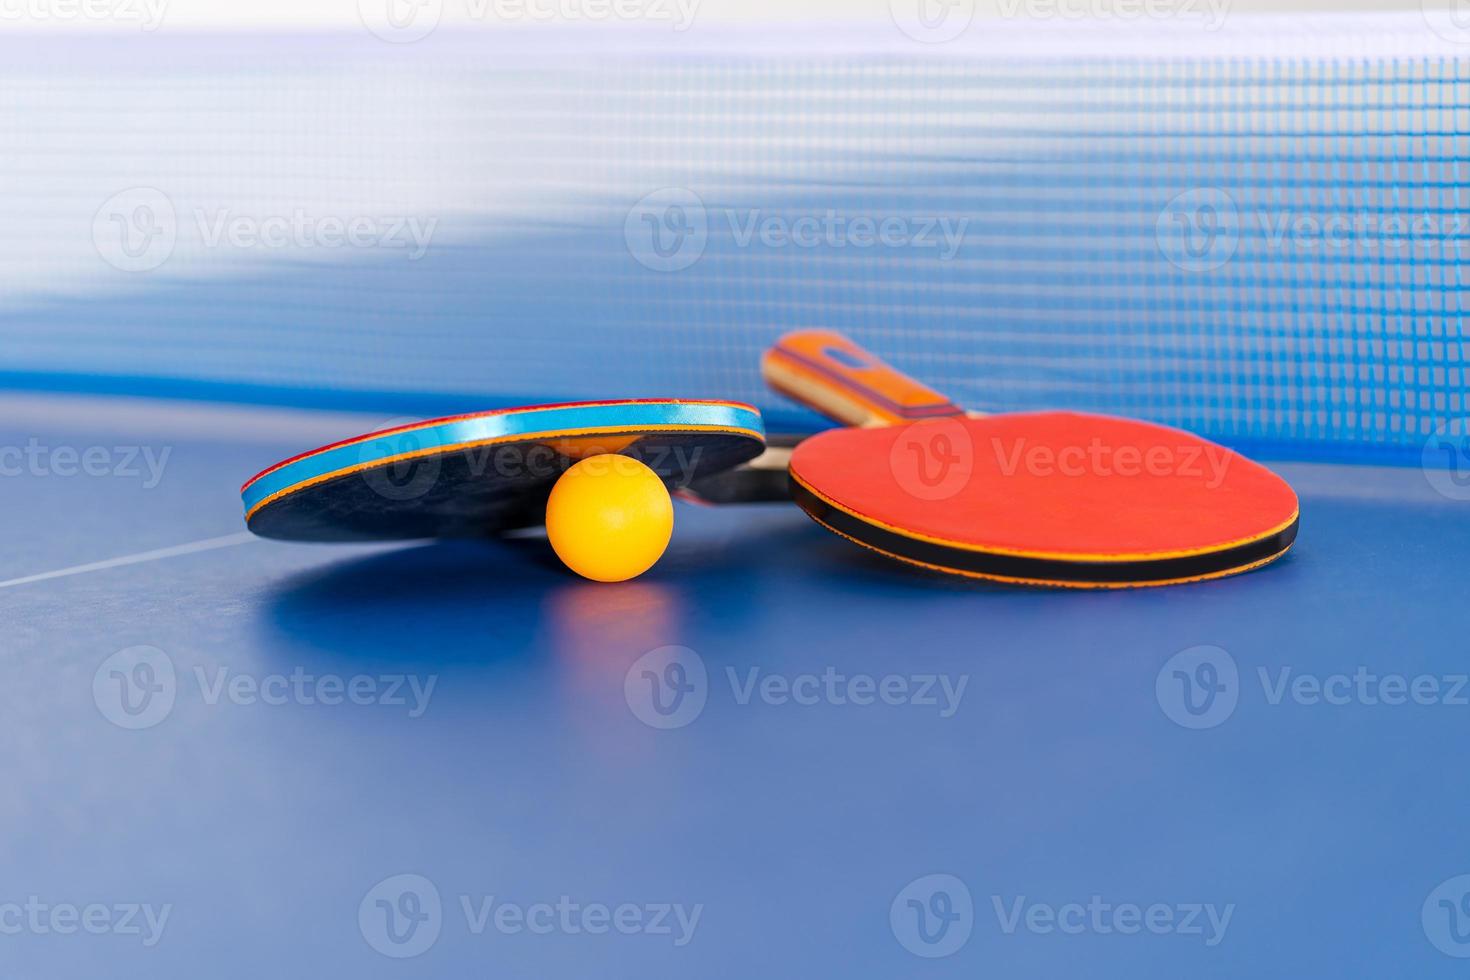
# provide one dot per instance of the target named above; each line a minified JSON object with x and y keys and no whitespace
{"x":509,"y":601}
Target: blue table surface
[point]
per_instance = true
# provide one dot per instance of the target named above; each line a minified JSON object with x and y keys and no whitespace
{"x":1266,"y":833}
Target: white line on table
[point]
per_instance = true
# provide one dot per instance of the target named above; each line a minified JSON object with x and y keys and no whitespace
{"x":208,"y":544}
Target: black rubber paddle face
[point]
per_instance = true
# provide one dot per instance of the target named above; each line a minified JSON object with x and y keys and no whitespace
{"x":476,"y":490}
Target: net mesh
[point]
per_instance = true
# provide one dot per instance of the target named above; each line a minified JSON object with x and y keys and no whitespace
{"x":1266,"y":249}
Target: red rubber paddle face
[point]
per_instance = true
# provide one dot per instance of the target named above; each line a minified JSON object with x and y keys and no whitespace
{"x":1053,"y":498}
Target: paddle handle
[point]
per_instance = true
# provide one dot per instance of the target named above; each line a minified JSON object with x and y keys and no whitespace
{"x":833,"y":376}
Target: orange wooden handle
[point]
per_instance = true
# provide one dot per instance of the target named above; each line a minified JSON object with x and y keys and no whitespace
{"x":830,"y":374}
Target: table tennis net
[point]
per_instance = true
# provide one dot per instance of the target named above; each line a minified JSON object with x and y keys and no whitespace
{"x":1258,"y":234}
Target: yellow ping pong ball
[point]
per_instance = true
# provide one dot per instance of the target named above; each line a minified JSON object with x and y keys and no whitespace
{"x":609,"y":518}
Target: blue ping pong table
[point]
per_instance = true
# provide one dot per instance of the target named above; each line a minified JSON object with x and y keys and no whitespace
{"x":774,"y":755}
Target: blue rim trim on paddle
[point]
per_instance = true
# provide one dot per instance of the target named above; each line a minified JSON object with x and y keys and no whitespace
{"x":609,"y":418}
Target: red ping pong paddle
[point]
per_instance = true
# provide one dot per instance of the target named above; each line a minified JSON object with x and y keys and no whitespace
{"x":1040,"y":498}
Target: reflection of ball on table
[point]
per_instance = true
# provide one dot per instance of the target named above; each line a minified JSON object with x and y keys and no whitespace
{"x":609,"y":518}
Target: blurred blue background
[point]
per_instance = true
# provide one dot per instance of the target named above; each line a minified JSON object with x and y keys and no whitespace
{"x":1246,"y":229}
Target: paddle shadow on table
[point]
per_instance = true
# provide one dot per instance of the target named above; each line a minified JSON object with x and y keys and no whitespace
{"x":507,"y":602}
